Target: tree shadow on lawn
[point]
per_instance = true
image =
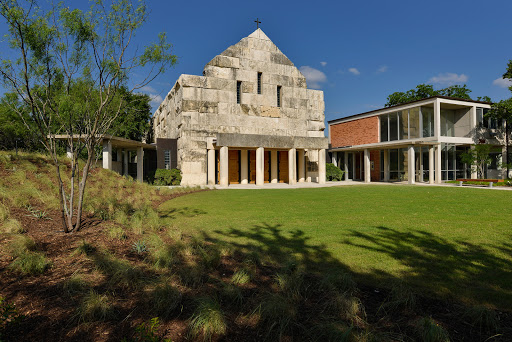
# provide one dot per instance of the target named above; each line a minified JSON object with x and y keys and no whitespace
{"x":186,"y":212}
{"x":460,"y":270}
{"x":465,"y":271}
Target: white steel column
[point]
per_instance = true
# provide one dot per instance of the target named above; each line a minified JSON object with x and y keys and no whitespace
{"x":345,"y":166}
{"x":302,"y":167}
{"x":335,"y":158}
{"x":211,"y":166}
{"x":437,"y":118}
{"x":431,"y":164}
{"x":438,"y":164}
{"x":126,"y":154}
{"x":244,"y":167}
{"x":386,"y":165}
{"x":260,"y":166}
{"x":354,"y":176}
{"x":224,"y":165}
{"x":411,"y":164}
{"x":107,"y":154}
{"x":367,"y":175}
{"x":421,"y":165}
{"x":292,"y":170}
{"x":321,"y":166}
{"x":140,"y":164}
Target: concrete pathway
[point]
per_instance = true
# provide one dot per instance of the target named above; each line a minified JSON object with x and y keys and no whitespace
{"x":270,"y":186}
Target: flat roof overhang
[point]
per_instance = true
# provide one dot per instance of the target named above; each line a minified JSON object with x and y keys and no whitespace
{"x":116,"y":141}
{"x":384,"y":145}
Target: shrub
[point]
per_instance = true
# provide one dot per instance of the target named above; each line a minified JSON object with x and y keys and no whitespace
{"x":430,"y":331}
{"x":165,"y":299}
{"x":95,"y":307}
{"x":29,"y":262}
{"x":167,"y":177}
{"x":208,"y":319}
{"x":333,"y":173}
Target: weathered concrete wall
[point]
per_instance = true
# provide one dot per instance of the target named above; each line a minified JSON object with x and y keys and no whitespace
{"x":199,"y":107}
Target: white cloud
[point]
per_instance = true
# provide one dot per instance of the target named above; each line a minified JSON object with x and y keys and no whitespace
{"x":382,"y":69}
{"x":449,"y":78}
{"x":354,"y":71}
{"x":314,"y":77}
{"x":323,"y":63}
{"x":503,"y":82}
{"x":156,"y":100}
{"x":148,"y":89}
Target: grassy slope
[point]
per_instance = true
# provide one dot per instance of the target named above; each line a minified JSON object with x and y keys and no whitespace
{"x":448,"y":241}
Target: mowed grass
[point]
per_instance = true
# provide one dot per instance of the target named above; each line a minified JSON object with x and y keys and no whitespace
{"x":449,"y":242}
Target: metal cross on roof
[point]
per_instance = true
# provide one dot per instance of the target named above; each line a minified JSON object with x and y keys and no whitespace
{"x":258,"y":22}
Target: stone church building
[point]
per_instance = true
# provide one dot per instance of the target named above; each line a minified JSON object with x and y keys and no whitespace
{"x":249,"y":119}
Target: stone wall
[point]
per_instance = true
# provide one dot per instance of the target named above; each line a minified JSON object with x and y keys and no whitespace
{"x":199,"y":107}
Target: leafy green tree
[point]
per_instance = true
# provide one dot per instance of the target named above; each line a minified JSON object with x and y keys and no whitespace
{"x":423,"y":91}
{"x":502,"y":110}
{"x":67,"y":70}
{"x":478,"y":157}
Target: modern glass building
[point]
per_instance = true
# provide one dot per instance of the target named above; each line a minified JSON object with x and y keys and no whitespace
{"x":420,"y":141}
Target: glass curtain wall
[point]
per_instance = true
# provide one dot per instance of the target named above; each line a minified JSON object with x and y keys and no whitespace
{"x":411,"y":123}
{"x":397,"y":167}
{"x":452,"y":166}
{"x":447,"y":123}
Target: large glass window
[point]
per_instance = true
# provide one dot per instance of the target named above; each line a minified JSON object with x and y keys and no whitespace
{"x":447,"y":123}
{"x":427,"y":118}
{"x":451,"y":165}
{"x":414,"y":123}
{"x":384,"y":128}
{"x":393,"y":126}
{"x":403,"y":124}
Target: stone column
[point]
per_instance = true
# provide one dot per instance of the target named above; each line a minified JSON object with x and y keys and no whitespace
{"x":273,"y":167}
{"x":260,"y":166}
{"x":321,"y":166}
{"x":292,"y":171}
{"x":224,"y":165}
{"x":438,"y":164}
{"x":125,"y":162}
{"x":244,"y":167}
{"x":411,"y":165}
{"x":421,"y":165}
{"x":431,"y":164}
{"x":367,"y":175}
{"x":211,"y":167}
{"x":107,"y":154}
{"x":474,"y":172}
{"x":345,"y":167}
{"x":386,"y":165}
{"x":140,"y":164}
{"x":302,"y":166}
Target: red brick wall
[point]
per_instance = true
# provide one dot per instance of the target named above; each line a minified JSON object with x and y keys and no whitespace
{"x":356,"y":132}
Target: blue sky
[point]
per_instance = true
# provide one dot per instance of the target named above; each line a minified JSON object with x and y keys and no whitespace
{"x":357,"y":52}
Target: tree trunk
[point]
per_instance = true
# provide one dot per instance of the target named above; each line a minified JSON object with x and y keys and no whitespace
{"x":81,"y":191}
{"x":62,"y":197}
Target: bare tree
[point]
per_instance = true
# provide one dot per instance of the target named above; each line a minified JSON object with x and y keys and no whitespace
{"x":66,"y":68}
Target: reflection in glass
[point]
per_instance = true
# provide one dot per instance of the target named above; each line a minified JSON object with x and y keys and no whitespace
{"x":414,"y":123}
{"x":393,"y":127}
{"x":427,"y":115}
{"x":384,"y":128}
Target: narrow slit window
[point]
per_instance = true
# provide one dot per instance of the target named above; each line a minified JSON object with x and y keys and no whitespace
{"x":238,"y":92}
{"x":279,"y":96}
{"x":259,"y":82}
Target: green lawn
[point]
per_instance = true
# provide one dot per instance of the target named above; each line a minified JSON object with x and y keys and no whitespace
{"x":449,"y":241}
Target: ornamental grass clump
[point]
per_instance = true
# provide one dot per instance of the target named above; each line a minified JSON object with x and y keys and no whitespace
{"x":430,"y":331}
{"x":208,"y":319}
{"x":165,"y":300}
{"x":95,"y":307}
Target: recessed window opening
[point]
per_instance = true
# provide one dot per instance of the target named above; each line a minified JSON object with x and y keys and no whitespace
{"x":167,"y":159}
{"x":279,"y":96}
{"x":259,"y":82}
{"x":238,"y":92}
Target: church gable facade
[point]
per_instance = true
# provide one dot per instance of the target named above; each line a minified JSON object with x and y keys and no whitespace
{"x":249,"y":119}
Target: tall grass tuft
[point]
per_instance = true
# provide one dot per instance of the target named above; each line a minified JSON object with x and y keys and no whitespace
{"x":208,"y":319}
{"x":95,"y":307}
{"x":119,"y":272}
{"x":430,"y":331}
{"x":340,"y":281}
{"x":27,"y":261}
{"x":483,"y":318}
{"x":75,"y":284}
{"x":331,"y":331}
{"x":21,"y":244}
{"x":346,"y":307}
{"x":11,"y":226}
{"x":241,"y":277}
{"x":84,"y":248}
{"x":400,"y":298}
{"x":165,"y":299}
{"x":279,"y":313}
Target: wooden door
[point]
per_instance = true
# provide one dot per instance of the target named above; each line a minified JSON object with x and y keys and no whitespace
{"x":234,"y":167}
{"x":282,"y":158}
